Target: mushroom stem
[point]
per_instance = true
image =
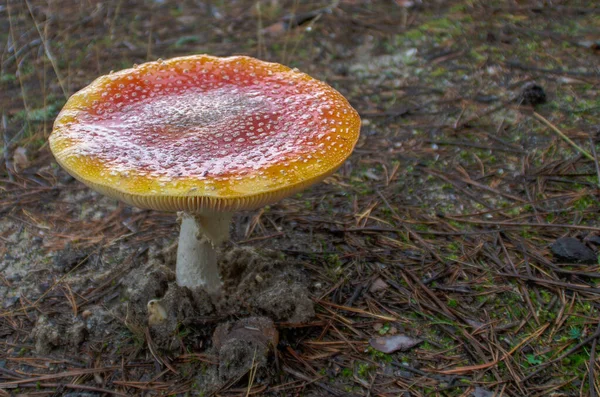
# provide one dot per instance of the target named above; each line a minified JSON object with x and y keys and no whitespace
{"x":196,"y":254}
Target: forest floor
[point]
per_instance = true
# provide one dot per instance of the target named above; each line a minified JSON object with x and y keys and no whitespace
{"x":454,"y":254}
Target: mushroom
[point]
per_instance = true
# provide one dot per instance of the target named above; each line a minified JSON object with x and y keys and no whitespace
{"x":157,"y":314}
{"x":204,"y":136}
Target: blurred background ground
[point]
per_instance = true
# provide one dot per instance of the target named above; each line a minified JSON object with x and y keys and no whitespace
{"x":463,"y":232}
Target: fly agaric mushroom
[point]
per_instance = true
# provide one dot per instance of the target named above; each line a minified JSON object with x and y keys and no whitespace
{"x":206,"y":136}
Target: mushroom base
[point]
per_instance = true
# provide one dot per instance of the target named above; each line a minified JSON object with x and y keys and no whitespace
{"x":196,"y":254}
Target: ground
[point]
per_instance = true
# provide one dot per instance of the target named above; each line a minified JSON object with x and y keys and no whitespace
{"x":443,"y":234}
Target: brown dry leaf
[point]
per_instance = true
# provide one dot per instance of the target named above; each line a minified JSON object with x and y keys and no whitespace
{"x":20,"y":160}
{"x":277,"y":29}
{"x":378,"y":285}
{"x":390,"y":344}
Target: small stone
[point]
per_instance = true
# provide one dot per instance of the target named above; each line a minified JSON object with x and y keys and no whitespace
{"x":593,"y":238}
{"x":52,"y":333}
{"x":404,"y":374}
{"x":571,"y":250}
{"x":378,"y":285}
{"x":532,"y":94}
{"x":481,"y":392}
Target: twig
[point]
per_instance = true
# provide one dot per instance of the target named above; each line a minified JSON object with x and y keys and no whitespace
{"x":542,"y":281}
{"x":563,"y":136}
{"x":68,"y":386}
{"x":78,"y":372}
{"x":5,"y":146}
{"x":475,"y":145}
{"x":596,"y":162}
{"x":155,"y":354}
{"x":253,"y":369}
{"x":356,"y":310}
{"x":16,"y":54}
{"x":542,"y":225}
{"x":592,"y":365}
{"x":517,"y":65}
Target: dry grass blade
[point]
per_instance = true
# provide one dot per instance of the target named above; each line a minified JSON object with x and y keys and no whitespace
{"x":48,"y":52}
{"x":356,"y":310}
{"x":253,"y":369}
{"x":563,"y":136}
{"x":67,"y":374}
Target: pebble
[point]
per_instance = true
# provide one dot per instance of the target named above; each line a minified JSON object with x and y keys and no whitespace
{"x":571,"y":250}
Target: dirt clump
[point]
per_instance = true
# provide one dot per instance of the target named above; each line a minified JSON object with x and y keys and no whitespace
{"x":98,"y":321}
{"x":254,"y":285}
{"x":50,"y":333}
{"x":180,"y":310}
{"x":264,"y":284}
{"x":144,"y":284}
{"x":242,"y":344}
{"x":243,"y":348}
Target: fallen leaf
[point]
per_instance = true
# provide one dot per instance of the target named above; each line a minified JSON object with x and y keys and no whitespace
{"x":276,"y":29}
{"x":378,"y":285}
{"x":390,"y":344}
{"x":20,"y":160}
{"x":371,"y":175}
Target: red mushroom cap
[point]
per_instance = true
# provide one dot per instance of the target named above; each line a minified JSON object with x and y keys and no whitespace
{"x":204,"y":134}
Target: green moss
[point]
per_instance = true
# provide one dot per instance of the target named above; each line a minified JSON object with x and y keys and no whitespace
{"x":347,"y":373}
{"x":546,"y":295}
{"x":585,"y":202}
{"x":438,"y":72}
{"x":364,"y":369}
{"x":379,"y":356}
{"x":413,"y":35}
{"x":8,"y":78}
{"x":575,"y":333}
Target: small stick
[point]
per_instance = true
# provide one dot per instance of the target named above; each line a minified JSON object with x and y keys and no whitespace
{"x":6,"y":145}
{"x":597,"y":164}
{"x":591,"y":376}
{"x":519,"y":224}
{"x":563,"y":136}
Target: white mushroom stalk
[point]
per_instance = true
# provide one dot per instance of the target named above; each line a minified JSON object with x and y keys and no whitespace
{"x":199,"y":237}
